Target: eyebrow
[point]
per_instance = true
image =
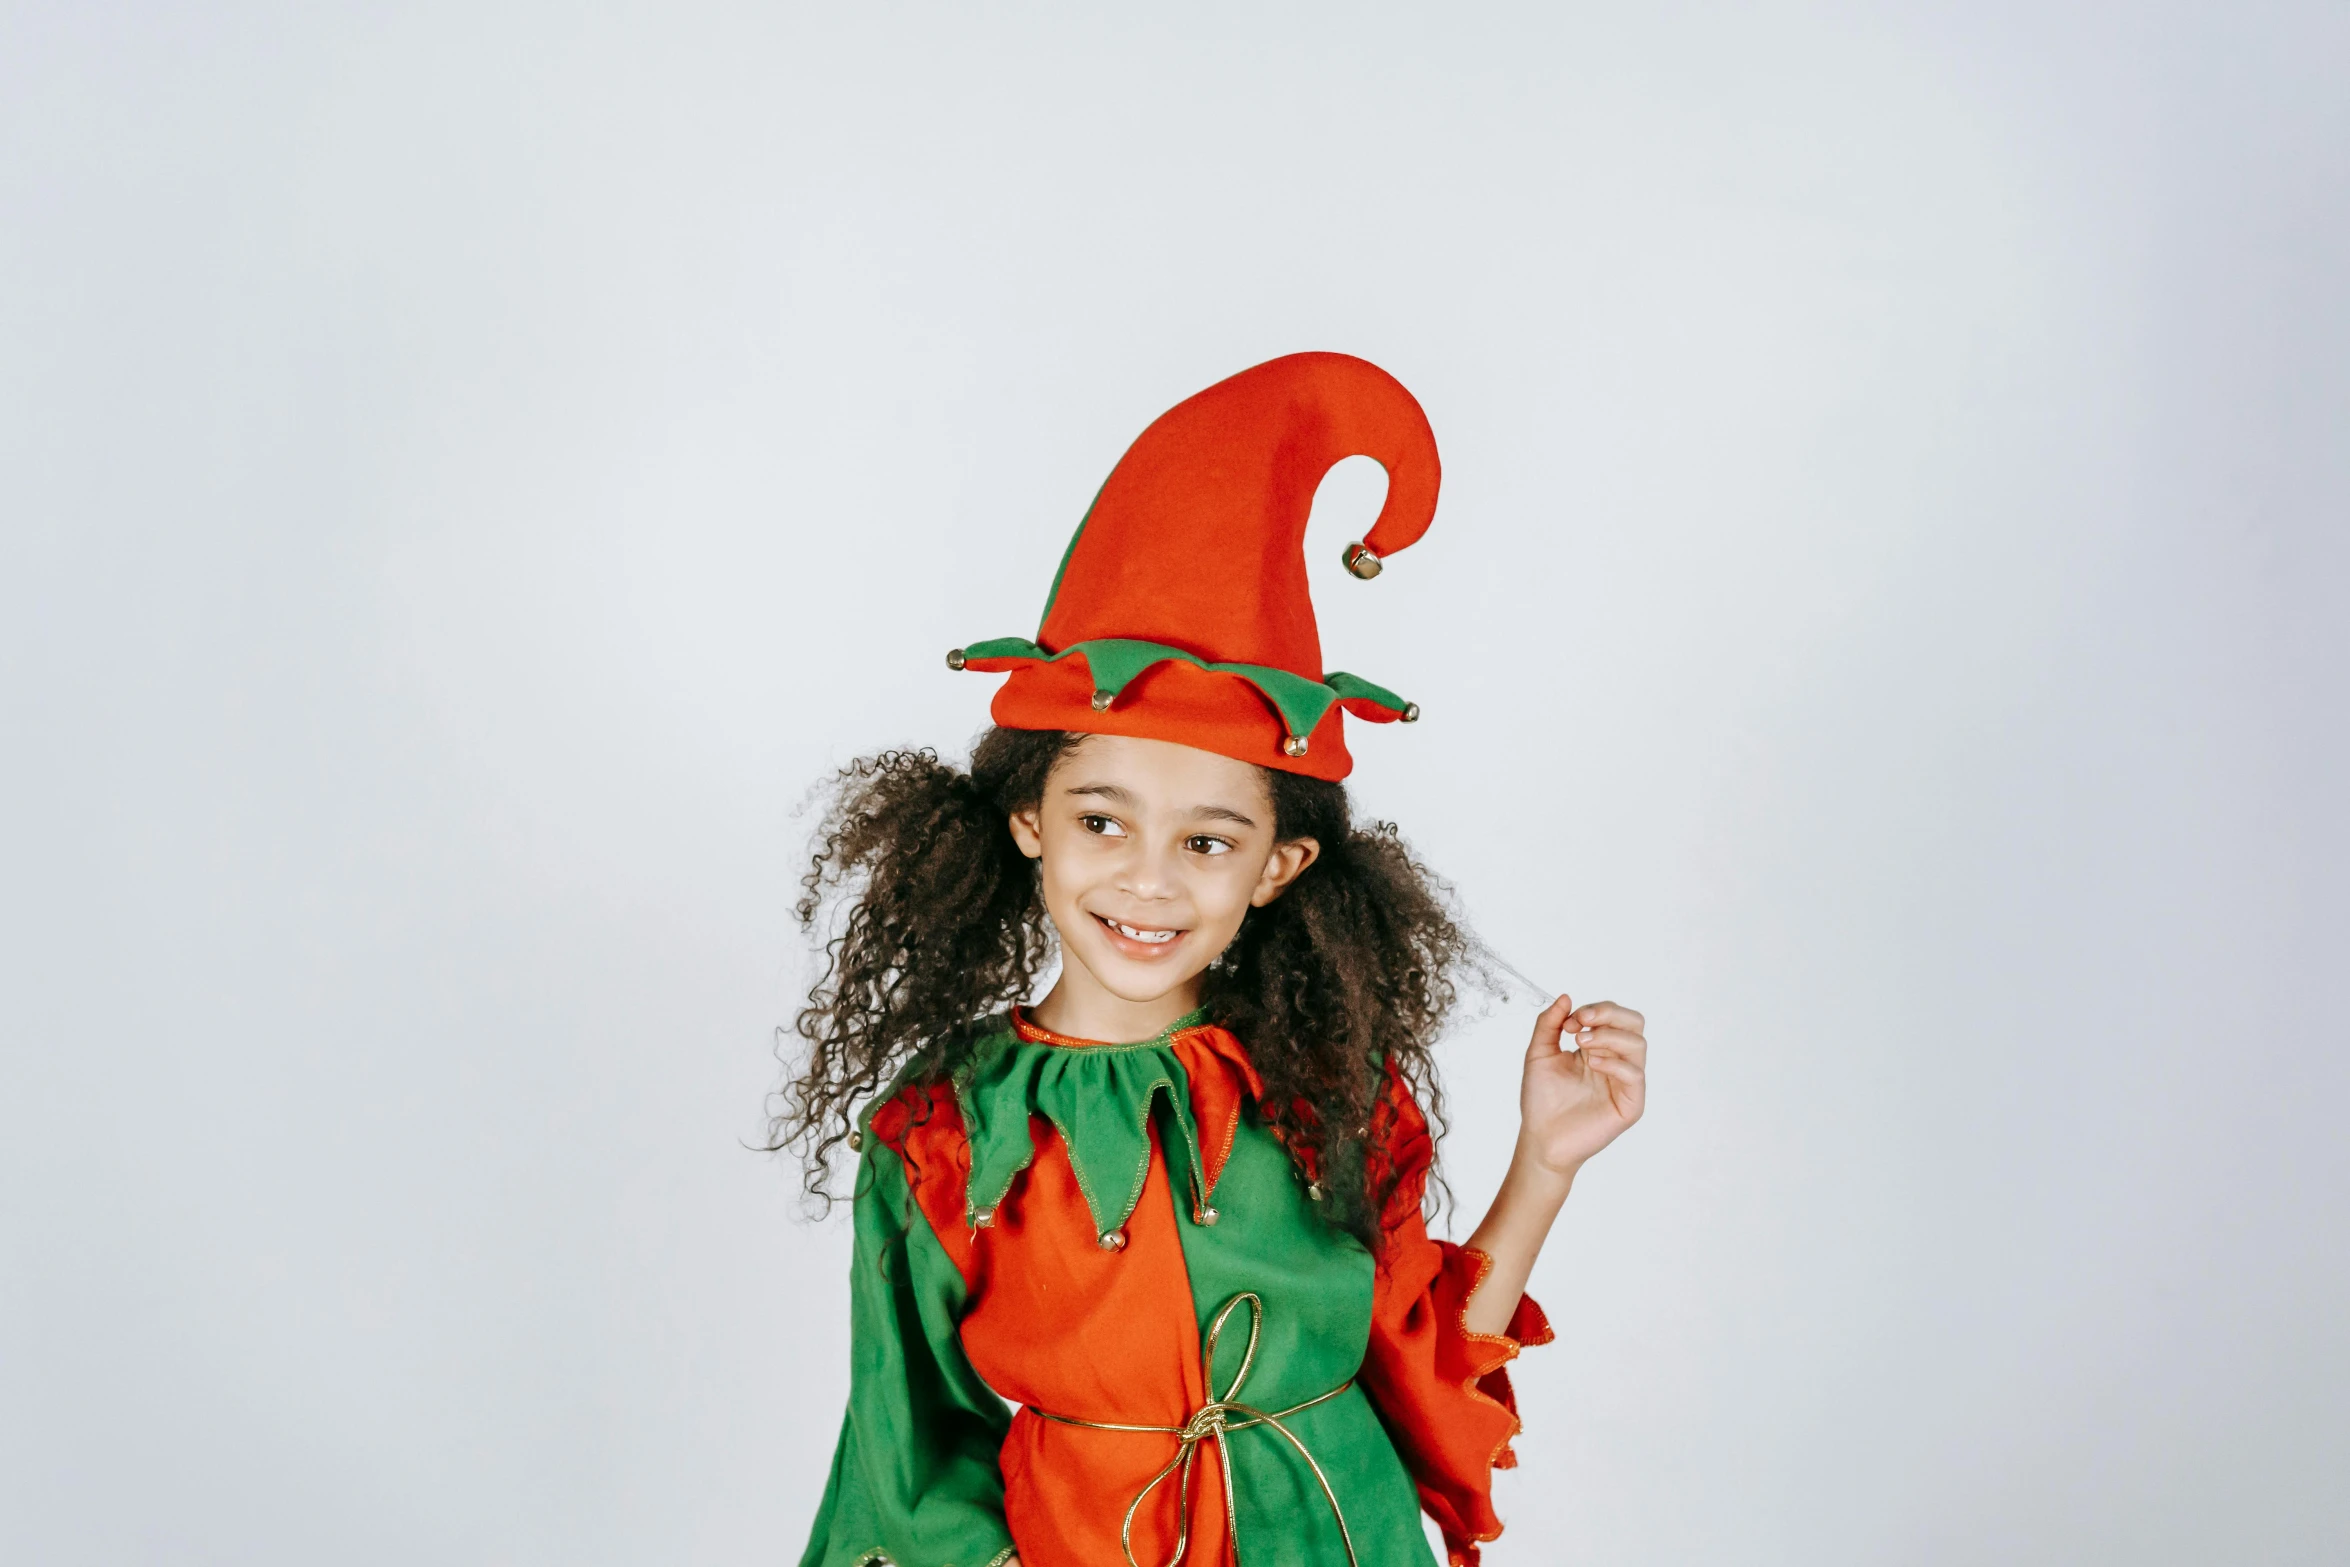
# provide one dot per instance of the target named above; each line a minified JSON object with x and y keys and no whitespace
{"x":1214,"y":813}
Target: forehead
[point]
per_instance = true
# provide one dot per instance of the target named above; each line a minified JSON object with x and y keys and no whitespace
{"x":1162,"y":774}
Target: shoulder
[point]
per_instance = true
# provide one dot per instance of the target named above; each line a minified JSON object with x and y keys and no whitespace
{"x":919,"y":1117}
{"x":914,"y":1114}
{"x":1402,"y":1144}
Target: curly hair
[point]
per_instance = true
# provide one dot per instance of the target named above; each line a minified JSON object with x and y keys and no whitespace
{"x":1341,"y":981}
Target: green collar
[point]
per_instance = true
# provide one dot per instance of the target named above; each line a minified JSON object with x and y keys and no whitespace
{"x":1165,"y":1036}
{"x":1100,"y":1098}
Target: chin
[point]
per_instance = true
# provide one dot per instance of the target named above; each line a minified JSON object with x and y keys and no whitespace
{"x":1140,"y":982}
{"x":1121,"y":981}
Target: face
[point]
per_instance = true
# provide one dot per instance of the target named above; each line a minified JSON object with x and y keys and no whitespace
{"x":1152,"y":853}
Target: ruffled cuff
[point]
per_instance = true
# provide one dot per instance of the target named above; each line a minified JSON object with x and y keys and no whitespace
{"x":1445,"y":1390}
{"x":1477,"y":1364}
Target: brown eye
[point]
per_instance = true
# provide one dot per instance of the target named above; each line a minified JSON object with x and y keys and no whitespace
{"x":1101,"y":826}
{"x":1201,"y":843}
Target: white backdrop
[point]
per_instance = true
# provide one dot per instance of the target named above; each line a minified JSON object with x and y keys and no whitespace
{"x":466,"y":470}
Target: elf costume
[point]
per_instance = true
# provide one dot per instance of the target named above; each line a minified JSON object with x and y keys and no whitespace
{"x":1108,"y":1236}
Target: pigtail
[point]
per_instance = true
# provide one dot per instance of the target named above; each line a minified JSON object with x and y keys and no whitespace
{"x":1339,"y":987}
{"x":930,"y":919}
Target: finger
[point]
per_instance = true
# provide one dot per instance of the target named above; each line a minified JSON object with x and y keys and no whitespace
{"x":1613,"y":1065}
{"x":1548,"y":1027}
{"x":1618,"y":1070}
{"x":1607,"y":1014}
{"x":1621,"y":1040}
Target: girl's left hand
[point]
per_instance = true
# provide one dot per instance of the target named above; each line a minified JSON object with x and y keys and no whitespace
{"x":1573,"y":1103}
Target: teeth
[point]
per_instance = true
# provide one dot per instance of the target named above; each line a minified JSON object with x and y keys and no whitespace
{"x":1152,"y":936}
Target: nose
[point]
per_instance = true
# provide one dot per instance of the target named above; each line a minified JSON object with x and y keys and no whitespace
{"x":1147,"y":872}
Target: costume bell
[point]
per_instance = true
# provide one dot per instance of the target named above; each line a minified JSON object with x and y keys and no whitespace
{"x":1106,"y":1234}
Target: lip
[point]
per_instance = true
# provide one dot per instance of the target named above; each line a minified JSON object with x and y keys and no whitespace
{"x":1140,"y":951}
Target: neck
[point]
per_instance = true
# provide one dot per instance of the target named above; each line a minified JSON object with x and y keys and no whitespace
{"x":1082,"y":1007}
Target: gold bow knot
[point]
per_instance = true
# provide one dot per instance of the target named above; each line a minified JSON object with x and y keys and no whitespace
{"x":1214,"y":1420}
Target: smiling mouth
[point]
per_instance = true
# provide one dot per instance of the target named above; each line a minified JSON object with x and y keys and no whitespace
{"x":1140,"y":935}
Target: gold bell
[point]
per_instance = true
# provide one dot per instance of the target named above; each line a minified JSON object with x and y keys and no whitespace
{"x":856,"y":1140}
{"x":1295,"y":745}
{"x":1410,"y":713}
{"x":1209,"y":1216}
{"x":1314,"y":1190}
{"x":1361,"y":561}
{"x":982,"y":1218}
{"x":956,"y":658}
{"x":1113,"y":1240}
{"x":1101,"y":701}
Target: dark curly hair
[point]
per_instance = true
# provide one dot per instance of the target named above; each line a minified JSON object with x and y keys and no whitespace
{"x":941,"y":922}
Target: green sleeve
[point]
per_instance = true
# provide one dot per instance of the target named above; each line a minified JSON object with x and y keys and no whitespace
{"x":914,"y":1479}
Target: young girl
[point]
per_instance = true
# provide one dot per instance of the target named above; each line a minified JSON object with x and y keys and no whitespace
{"x":1141,"y":1270}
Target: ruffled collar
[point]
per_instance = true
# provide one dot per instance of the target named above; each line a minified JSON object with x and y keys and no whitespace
{"x":1035,"y":1033}
{"x":1100,"y":1098}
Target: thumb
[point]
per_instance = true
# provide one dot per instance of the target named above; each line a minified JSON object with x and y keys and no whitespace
{"x":1548,"y":1027}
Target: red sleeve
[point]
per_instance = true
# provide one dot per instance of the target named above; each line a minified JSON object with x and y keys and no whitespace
{"x":1443,"y":1390}
{"x":923,"y":1126}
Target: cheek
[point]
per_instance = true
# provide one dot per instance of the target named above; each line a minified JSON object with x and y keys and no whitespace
{"x":1074,"y":864}
{"x":1061,"y":885}
{"x":1220,"y":894}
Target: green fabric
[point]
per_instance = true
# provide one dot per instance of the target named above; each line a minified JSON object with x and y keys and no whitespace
{"x":915,"y":1474}
{"x":1100,"y":1098}
{"x":1354,"y":688}
{"x":1115,"y":661}
{"x":1315,"y":1281}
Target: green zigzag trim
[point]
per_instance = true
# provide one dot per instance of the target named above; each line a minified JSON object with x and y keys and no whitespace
{"x":1354,"y":688}
{"x":1114,"y":662}
{"x":1100,"y":1098}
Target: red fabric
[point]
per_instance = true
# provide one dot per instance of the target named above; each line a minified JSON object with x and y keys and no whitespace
{"x":1442,"y":1388}
{"x":923,"y":1125}
{"x":1112,"y":1336}
{"x":1072,"y":1328}
{"x":1222,"y":1076}
{"x":1172,"y":701}
{"x":1197,"y":541}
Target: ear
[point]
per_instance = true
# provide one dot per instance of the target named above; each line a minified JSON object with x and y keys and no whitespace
{"x":1028,"y":832}
{"x":1286,"y":864}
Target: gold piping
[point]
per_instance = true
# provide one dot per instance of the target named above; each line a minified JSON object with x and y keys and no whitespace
{"x":1213,"y":1420}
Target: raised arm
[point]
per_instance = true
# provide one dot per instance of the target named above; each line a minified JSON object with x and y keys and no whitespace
{"x":1571,"y":1104}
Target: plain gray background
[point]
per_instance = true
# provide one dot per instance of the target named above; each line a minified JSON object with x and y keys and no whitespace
{"x":466,"y":470}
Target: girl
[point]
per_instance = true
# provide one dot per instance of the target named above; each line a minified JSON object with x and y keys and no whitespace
{"x":1141,"y":1270}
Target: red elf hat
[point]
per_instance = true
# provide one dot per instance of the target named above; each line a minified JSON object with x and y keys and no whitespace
{"x":1181,"y":612}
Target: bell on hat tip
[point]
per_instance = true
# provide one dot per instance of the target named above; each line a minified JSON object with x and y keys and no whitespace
{"x":1295,"y":745}
{"x":1410,"y":713}
{"x":1361,"y":561}
{"x":955,"y":658}
{"x":1113,"y":1240}
{"x":1101,"y":701}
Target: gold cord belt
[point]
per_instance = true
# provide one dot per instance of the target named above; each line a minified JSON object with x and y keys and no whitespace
{"x":1213,"y":1419}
